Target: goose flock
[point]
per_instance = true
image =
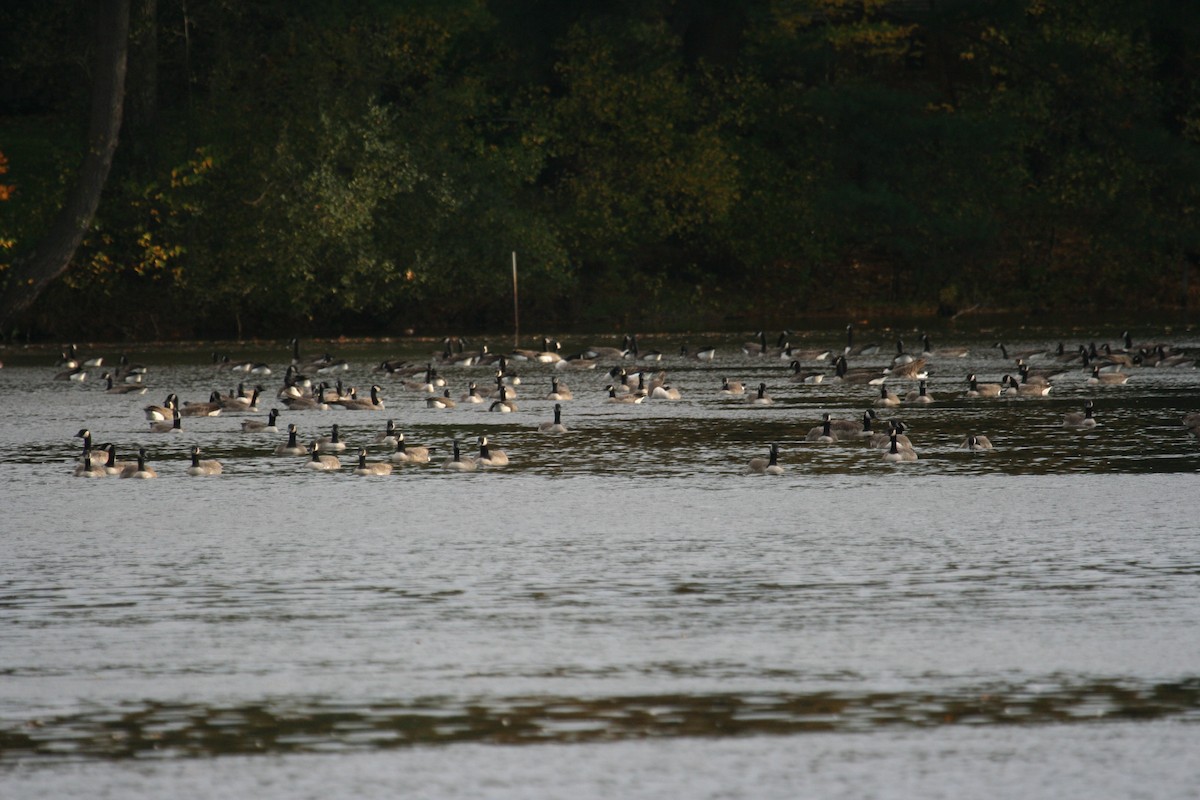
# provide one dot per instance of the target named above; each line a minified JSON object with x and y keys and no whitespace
{"x":628,"y":374}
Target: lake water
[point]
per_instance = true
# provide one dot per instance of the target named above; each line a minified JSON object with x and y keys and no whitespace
{"x":623,"y":611}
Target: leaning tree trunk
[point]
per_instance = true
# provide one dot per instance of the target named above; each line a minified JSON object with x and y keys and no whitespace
{"x":29,"y":276}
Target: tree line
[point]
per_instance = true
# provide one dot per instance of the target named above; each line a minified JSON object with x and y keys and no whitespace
{"x":369,"y":166}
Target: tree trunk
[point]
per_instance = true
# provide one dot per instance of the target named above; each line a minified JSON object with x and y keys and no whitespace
{"x":29,"y":276}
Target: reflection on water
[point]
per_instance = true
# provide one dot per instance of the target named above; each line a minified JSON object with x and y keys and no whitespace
{"x":626,"y":580}
{"x":165,"y":731}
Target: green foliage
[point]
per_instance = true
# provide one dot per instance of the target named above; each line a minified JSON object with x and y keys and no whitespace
{"x":369,"y":166}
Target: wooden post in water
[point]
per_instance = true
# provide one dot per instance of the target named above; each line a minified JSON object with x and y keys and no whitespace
{"x":516,"y":306}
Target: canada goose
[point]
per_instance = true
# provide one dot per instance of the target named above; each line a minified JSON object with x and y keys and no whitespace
{"x":918,"y":395}
{"x":258,"y":426}
{"x":404,"y":454}
{"x":502,"y":382}
{"x":210,"y":409}
{"x":902,"y":357}
{"x":556,"y":426}
{"x":308,"y":402}
{"x":320,"y":461}
{"x":665,"y":392}
{"x":881,"y":441}
{"x":767,"y":466}
{"x":88,"y":469}
{"x":604,"y":352}
{"x":977,"y":389}
{"x":355,"y":404}
{"x":823,"y":433}
{"x":376,"y":468}
{"x":1025,"y":389}
{"x":941,"y":352}
{"x":1040,"y":376}
{"x":575,"y":362}
{"x":976,"y":442}
{"x":811,"y":354}
{"x":489,"y":457}
{"x":458,"y":462}
{"x":129,"y":373}
{"x":732,"y":388}
{"x":332,"y":442}
{"x":886,"y":398}
{"x":761,"y":398}
{"x":848,"y":428}
{"x":165,"y":411}
{"x":1080,"y":419}
{"x":1106,"y":378}
{"x":472,"y":394}
{"x":86,"y":435}
{"x":800,"y":375}
{"x":202,"y":468}
{"x":703,"y":354}
{"x":1020,"y":354}
{"x":291,"y":447}
{"x":913,"y":370}
{"x":549,"y":352}
{"x":328,"y":364}
{"x":111,"y":465}
{"x":1191,"y":419}
{"x":122,"y":388}
{"x":613,"y":397}
{"x":174,"y":426}
{"x":503,"y":405}
{"x":860,"y":350}
{"x":242,"y":401}
{"x":758,"y":348}
{"x":859,"y":375}
{"x":559,"y":391}
{"x":440,"y":401}
{"x":139,"y":470}
{"x":76,"y":374}
{"x":1178,"y":360}
{"x":388,"y":436}
{"x":896,"y":454}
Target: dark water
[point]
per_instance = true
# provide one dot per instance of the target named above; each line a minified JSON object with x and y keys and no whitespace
{"x":626,"y":589}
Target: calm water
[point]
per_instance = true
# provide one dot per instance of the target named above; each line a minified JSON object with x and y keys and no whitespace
{"x":623,"y":610}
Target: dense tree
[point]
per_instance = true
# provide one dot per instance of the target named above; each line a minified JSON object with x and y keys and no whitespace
{"x":367,"y":166}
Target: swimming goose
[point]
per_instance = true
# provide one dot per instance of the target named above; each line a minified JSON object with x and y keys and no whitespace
{"x":559,"y":391}
{"x":853,"y":429}
{"x":353,"y":403}
{"x":175,"y":425}
{"x":388,"y":436}
{"x":800,"y":375}
{"x":977,"y":389}
{"x":472,"y":394}
{"x":886,"y":398}
{"x":139,"y":470}
{"x":404,"y":454}
{"x":122,"y":388}
{"x":88,"y":469}
{"x":129,"y":373}
{"x":913,"y":370}
{"x":1080,"y":419}
{"x":503,"y":405}
{"x":613,"y":397}
{"x":767,"y":466}
{"x":1106,"y":378}
{"x":756,"y":348}
{"x":941,"y":352}
{"x":703,"y":354}
{"x":332,"y":442}
{"x":1191,"y":419}
{"x":880,"y":441}
{"x":601,"y":352}
{"x":761,"y":398}
{"x":377,"y":468}
{"x":258,"y":426}
{"x":556,"y":426}
{"x":823,"y":433}
{"x":242,"y":401}
{"x":440,"y":401}
{"x":202,"y":468}
{"x":976,"y":442}
{"x":458,"y":462}
{"x":859,"y":375}
{"x":665,"y":392}
{"x":291,"y":447}
{"x":320,"y":461}
{"x":76,"y":374}
{"x":902,"y":357}
{"x":918,"y":395}
{"x":1025,"y":389}
{"x":165,"y":411}
{"x":210,"y":409}
{"x":860,"y":350}
{"x":897,"y":454}
{"x":489,"y":457}
{"x":732,"y":388}
{"x":86,"y":435}
{"x":1020,"y":354}
{"x":111,"y":465}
